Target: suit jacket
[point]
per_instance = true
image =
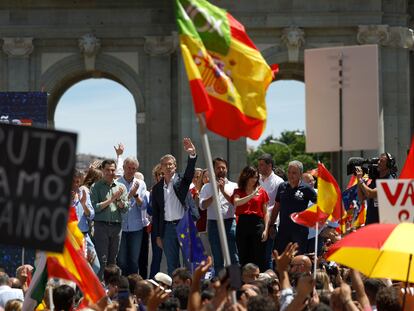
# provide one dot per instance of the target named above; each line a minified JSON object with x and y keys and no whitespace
{"x":181,"y":185}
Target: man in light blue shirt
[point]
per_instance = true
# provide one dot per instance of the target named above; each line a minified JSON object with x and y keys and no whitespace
{"x":132,"y":221}
{"x":6,"y":292}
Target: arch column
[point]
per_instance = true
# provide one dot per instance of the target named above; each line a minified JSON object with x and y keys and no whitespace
{"x":18,"y":51}
{"x":157,"y":121}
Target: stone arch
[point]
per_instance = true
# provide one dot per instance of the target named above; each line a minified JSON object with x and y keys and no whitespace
{"x":287,"y":70}
{"x":71,"y":70}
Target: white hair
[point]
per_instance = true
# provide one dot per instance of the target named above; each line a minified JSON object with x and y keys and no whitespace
{"x":298,"y":164}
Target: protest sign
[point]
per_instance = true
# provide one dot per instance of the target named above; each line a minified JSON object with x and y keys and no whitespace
{"x":36,"y":170}
{"x":396,"y":200}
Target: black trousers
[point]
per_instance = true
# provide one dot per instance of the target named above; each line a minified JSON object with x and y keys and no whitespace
{"x":251,"y":249}
{"x":143,"y":255}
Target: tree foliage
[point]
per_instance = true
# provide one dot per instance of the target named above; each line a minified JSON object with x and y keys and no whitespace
{"x":289,"y":146}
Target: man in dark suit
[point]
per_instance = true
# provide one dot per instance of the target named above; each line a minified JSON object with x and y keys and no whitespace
{"x":170,"y":199}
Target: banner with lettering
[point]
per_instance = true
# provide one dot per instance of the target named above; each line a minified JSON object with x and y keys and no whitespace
{"x":36,"y":171}
{"x":396,"y":200}
{"x":23,"y":108}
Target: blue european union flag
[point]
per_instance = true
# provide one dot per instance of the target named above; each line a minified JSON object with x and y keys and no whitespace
{"x":349,"y":196}
{"x":189,"y":240}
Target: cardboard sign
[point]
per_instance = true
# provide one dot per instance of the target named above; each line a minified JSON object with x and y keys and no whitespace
{"x":360,"y":98}
{"x":396,"y":200}
{"x":36,"y":171}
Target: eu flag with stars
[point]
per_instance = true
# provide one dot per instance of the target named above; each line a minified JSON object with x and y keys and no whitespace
{"x":349,"y":196}
{"x":190,"y":242}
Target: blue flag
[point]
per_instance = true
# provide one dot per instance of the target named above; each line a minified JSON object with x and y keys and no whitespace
{"x":349,"y":196}
{"x":351,"y":201}
{"x":189,"y":240}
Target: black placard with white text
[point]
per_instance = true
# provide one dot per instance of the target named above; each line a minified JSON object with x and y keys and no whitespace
{"x":36,"y":170}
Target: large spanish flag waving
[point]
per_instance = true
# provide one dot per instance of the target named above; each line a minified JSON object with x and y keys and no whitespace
{"x":228,"y":75}
{"x":72,"y":265}
{"x":328,"y":205}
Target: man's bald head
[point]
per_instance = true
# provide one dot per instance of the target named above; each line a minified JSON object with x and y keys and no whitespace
{"x":300,"y":264}
{"x":309,"y":179}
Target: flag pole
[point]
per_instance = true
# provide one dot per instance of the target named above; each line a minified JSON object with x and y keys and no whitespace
{"x":316,"y":251}
{"x":216,"y":201}
{"x":51,"y":304}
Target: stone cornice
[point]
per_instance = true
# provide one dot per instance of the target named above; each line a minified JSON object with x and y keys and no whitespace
{"x":161,"y":45}
{"x":384,"y":35}
{"x":18,"y":47}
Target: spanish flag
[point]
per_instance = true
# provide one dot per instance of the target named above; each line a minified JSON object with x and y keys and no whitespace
{"x":72,"y":265}
{"x":328,"y":205}
{"x":228,"y":75}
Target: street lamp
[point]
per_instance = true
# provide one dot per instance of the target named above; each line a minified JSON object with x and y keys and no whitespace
{"x":274,"y":141}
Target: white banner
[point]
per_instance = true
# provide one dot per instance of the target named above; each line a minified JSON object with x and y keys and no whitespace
{"x":360,"y":97}
{"x":396,"y":200}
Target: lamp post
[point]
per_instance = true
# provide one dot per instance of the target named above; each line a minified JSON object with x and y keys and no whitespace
{"x":274,"y":141}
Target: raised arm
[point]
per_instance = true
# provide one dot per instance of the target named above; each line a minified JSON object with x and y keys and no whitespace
{"x":237,"y":201}
{"x":363,"y":190}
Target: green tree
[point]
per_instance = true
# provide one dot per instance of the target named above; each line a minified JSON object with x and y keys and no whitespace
{"x":290,"y":145}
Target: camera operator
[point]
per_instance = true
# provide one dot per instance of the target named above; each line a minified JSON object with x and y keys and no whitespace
{"x":385,"y":169}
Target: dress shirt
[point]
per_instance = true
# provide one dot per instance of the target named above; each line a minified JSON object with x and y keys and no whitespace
{"x":144,"y":211}
{"x":270,"y":184}
{"x":132,"y":219}
{"x":7,"y":293}
{"x":173,"y":208}
{"x":226,"y":208}
{"x":82,"y":218}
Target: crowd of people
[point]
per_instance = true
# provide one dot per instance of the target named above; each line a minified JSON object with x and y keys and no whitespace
{"x":124,"y":221}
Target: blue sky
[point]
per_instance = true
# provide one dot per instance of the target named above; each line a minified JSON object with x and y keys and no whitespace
{"x":102,"y":112}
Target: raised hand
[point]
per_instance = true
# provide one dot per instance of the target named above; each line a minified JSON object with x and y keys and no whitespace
{"x":157,"y":298}
{"x":202,"y":269}
{"x":283,"y":261}
{"x":188,"y":146}
{"x":119,"y":150}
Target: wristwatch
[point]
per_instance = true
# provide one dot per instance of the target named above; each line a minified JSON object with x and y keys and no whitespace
{"x":135,"y":195}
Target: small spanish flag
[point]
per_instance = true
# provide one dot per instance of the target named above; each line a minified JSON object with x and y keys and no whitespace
{"x":328,"y":205}
{"x":228,"y":75}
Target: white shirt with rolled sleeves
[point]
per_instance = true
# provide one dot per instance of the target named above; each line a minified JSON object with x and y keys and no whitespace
{"x":173,"y":208}
{"x":227,"y":209}
{"x":271,"y":184}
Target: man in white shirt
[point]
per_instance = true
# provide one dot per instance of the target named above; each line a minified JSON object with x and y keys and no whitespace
{"x":6,"y":292}
{"x":227,"y":211}
{"x":270,"y":182}
{"x":170,"y":197}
